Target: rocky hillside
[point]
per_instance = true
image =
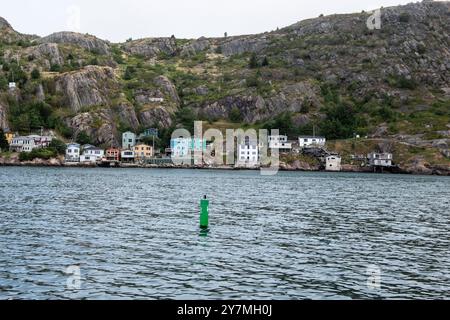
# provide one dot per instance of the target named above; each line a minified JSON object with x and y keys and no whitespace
{"x":331,"y":72}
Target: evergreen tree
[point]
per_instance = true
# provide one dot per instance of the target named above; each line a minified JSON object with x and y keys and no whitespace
{"x":83,"y":138}
{"x":4,"y":146}
{"x":35,"y":74}
{"x":253,"y":64}
{"x":58,"y":146}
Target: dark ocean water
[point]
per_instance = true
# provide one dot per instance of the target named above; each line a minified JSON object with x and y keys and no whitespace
{"x":134,"y":234}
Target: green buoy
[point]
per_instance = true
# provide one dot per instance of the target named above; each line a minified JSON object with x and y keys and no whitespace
{"x":204,"y":214}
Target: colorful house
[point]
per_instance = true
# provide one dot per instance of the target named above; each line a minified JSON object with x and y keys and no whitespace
{"x":128,"y":140}
{"x":9,"y":137}
{"x":184,"y":147}
{"x":143,"y":152}
{"x":112,"y":154}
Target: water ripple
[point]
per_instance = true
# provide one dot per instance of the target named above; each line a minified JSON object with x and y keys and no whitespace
{"x":134,"y":234}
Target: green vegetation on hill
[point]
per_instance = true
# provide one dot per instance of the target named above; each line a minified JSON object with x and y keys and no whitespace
{"x":331,"y":74}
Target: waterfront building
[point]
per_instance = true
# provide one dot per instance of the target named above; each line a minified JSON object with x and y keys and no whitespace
{"x":112,"y":154}
{"x":73,"y":152}
{"x":41,"y":141}
{"x":168,"y":152}
{"x":91,"y":154}
{"x":380,"y":159}
{"x":88,"y":159}
{"x":248,"y":153}
{"x":29,"y":143}
{"x":183,"y":148}
{"x":280,"y":142}
{"x":22,"y":144}
{"x":143,"y":152}
{"x":311,"y":141}
{"x":333,"y":163}
{"x":128,"y":140}
{"x":127,"y":156}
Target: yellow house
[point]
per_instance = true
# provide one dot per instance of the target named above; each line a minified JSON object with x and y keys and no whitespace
{"x":9,"y":137}
{"x":142,"y":152}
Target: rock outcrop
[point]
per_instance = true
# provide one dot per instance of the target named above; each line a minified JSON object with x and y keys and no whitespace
{"x":48,"y":54}
{"x":4,"y":24}
{"x":293,"y":98}
{"x":151,"y":47}
{"x":99,"y":125}
{"x":195,"y":47}
{"x":85,"y":41}
{"x":91,"y":86}
{"x":240,"y":45}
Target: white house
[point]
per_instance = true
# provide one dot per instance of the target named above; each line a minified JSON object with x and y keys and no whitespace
{"x":12,"y":85}
{"x":91,"y":154}
{"x":73,"y":152}
{"x":311,"y":141}
{"x":127,"y":155}
{"x":128,"y":140}
{"x":22,"y":144}
{"x":248,"y":154}
{"x":156,"y":99}
{"x":380,"y":159}
{"x":280,"y":142}
{"x":88,"y":159}
{"x":333,"y":163}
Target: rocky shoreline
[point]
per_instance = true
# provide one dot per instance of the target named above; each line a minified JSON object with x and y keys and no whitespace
{"x":415,"y":169}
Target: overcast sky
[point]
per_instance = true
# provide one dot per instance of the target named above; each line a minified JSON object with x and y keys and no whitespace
{"x":118,"y":20}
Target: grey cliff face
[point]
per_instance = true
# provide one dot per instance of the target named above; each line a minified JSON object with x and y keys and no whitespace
{"x":88,"y":87}
{"x":48,"y":53}
{"x":4,"y":24}
{"x":244,"y":44}
{"x":151,"y":47}
{"x":87,"y":42}
{"x":195,"y":47}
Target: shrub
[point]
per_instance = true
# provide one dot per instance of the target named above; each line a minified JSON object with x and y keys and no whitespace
{"x":94,"y":61}
{"x":341,"y":122}
{"x":41,"y":153}
{"x":235,"y":115}
{"x":55,"y":68}
{"x":35,"y":74}
{"x":83,"y":138}
{"x":130,"y":71}
{"x":58,"y":145}
{"x":253,"y":63}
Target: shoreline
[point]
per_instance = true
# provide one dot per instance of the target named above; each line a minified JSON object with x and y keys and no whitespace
{"x":55,"y":163}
